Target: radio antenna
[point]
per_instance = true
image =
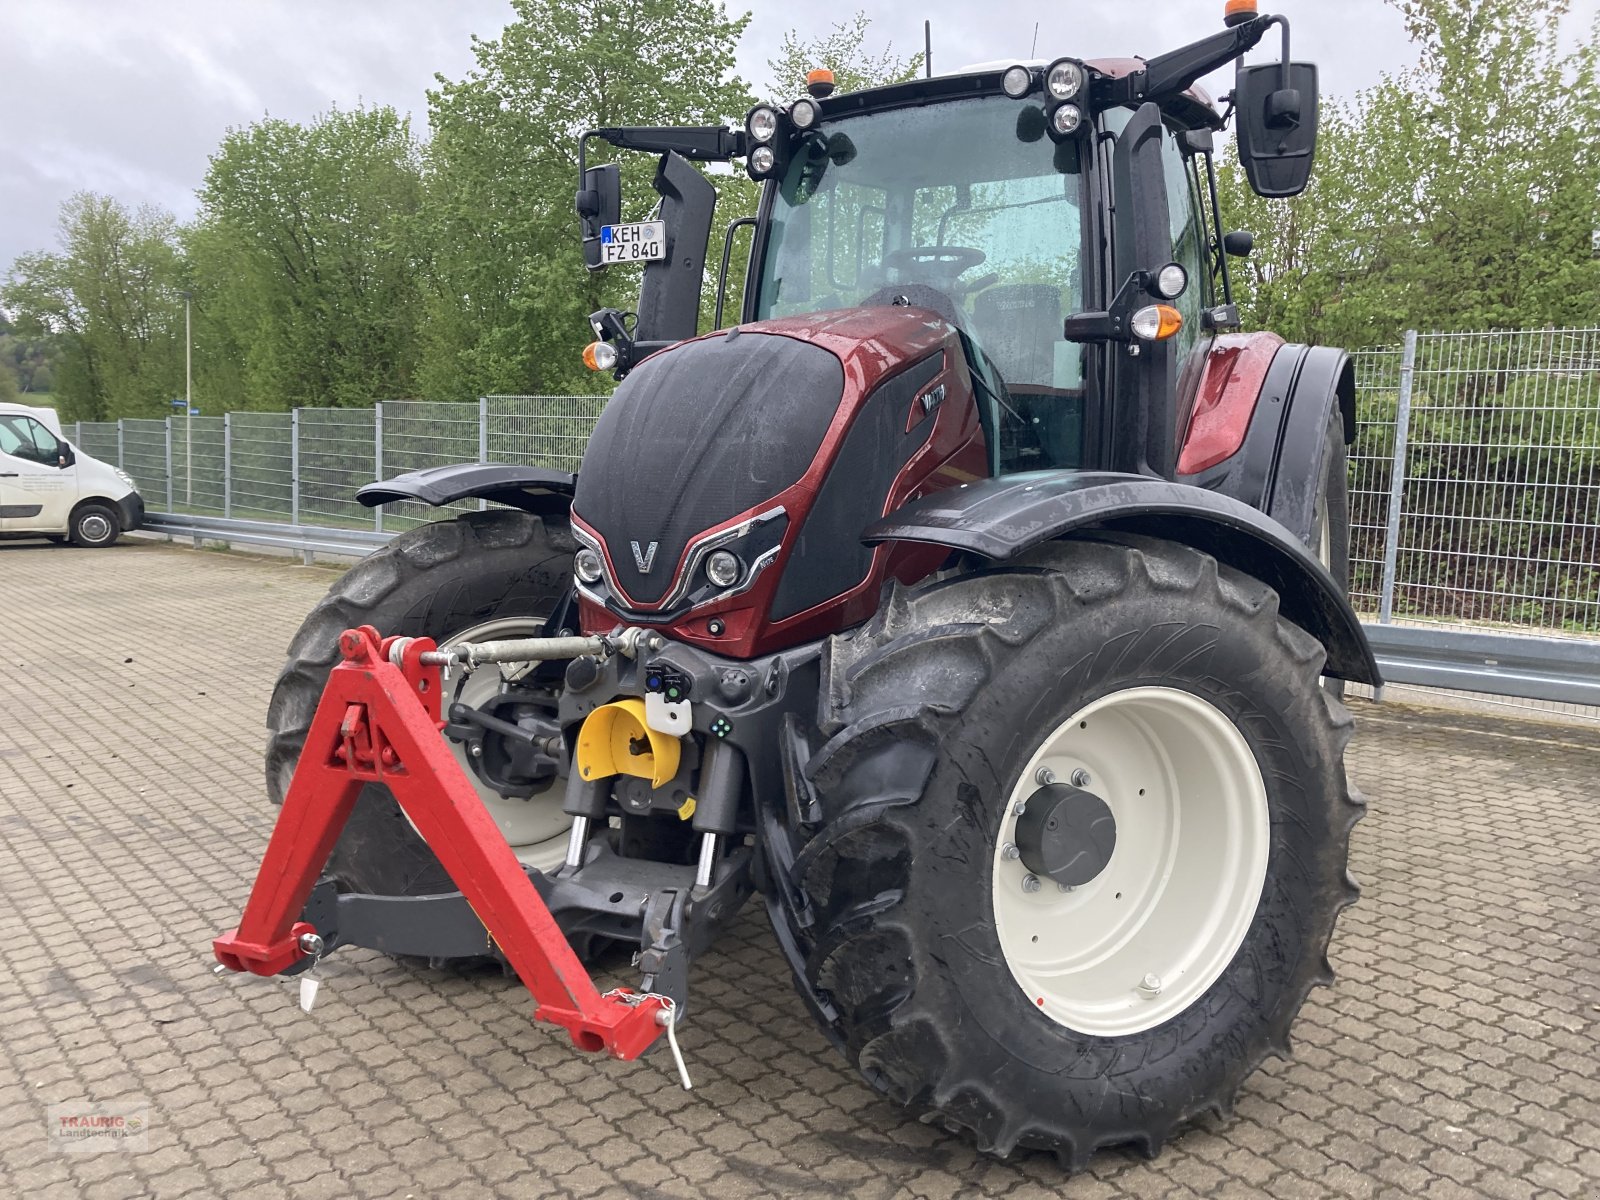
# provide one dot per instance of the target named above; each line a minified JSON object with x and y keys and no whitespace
{"x":1034,"y":52}
{"x":927,"y":48}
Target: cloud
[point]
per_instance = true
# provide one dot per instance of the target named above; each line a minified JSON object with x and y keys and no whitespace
{"x":131,"y":96}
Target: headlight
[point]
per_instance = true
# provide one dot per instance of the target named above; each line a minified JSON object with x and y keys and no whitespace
{"x":587,"y":566}
{"x":805,"y":113}
{"x":1171,"y":280}
{"x":761,"y":160}
{"x":1017,"y":82}
{"x":1066,"y":119}
{"x":126,"y":478}
{"x":723,"y":568}
{"x":1064,"y":80}
{"x":762,"y":123}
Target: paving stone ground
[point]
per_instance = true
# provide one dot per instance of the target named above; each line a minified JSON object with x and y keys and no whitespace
{"x":1457,"y":1056}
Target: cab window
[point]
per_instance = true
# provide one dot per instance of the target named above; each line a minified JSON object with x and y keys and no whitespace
{"x":23,"y":437}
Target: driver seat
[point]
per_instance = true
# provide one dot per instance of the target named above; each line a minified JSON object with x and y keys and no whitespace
{"x":917,"y":295}
{"x":1019,"y":325}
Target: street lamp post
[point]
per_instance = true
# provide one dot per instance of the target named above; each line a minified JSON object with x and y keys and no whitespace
{"x":188,"y":411}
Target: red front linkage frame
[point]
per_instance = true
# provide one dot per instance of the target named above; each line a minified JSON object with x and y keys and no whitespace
{"x":378,"y":722}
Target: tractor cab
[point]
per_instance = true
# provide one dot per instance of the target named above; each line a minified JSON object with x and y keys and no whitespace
{"x":1061,"y":216}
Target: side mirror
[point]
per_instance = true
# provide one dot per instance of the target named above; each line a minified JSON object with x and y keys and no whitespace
{"x":599,"y":203}
{"x":1238,"y":244}
{"x":1277,"y":130}
{"x":64,"y":456}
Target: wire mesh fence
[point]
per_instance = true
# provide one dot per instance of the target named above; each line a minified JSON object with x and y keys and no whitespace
{"x":1474,"y":478}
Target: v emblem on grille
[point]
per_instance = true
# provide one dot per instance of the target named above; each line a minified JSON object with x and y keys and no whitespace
{"x":643,"y":558}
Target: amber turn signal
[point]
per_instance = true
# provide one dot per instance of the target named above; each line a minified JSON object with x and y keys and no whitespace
{"x":599,"y":356}
{"x":1156,"y":323}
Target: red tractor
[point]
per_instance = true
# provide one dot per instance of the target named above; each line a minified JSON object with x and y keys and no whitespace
{"x":977,"y":600}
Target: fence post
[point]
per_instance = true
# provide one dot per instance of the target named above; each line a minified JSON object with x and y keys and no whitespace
{"x":377,"y":460}
{"x":227,"y":464}
{"x":294,"y":476}
{"x":483,"y":439}
{"x":122,"y":459}
{"x":1397,"y":479}
{"x":169,"y":464}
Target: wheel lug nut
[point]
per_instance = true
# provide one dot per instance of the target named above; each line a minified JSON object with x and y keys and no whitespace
{"x":1010,"y":851}
{"x":1044,"y":776}
{"x":1022,"y":807}
{"x":1081,"y":779}
{"x":1150,"y":985}
{"x":1030,"y":883}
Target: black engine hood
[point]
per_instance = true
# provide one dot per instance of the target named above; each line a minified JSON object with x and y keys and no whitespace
{"x":696,"y":435}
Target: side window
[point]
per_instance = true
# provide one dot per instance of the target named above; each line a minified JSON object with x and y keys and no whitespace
{"x":1188,"y":242}
{"x":23,"y":437}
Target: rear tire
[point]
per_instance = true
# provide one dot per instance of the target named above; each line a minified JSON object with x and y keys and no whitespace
{"x":438,"y":580}
{"x":938,"y":711}
{"x":94,"y":526}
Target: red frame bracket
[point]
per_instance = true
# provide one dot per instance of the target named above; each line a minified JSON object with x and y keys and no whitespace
{"x":378,"y":722}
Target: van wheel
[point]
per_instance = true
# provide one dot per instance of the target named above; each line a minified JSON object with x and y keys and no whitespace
{"x":94,"y":525}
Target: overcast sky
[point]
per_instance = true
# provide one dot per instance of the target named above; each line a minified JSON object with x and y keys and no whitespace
{"x":130,"y":96}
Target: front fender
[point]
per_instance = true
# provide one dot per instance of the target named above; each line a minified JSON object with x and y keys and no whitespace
{"x":533,"y":489}
{"x":1002,"y":518}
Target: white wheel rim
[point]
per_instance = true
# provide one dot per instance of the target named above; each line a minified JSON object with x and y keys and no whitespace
{"x":94,"y":528}
{"x":535,"y":828}
{"x":1147,"y":937}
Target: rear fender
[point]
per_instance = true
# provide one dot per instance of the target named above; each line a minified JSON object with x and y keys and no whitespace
{"x":1260,"y":424}
{"x":1000,"y":519}
{"x":532,"y":489}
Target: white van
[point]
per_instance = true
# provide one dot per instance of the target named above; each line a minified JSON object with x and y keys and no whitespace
{"x":50,"y":488}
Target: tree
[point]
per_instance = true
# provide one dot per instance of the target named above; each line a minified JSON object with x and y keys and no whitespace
{"x":110,"y":301}
{"x":1462,"y":194}
{"x":305,"y":261}
{"x":843,"y":51}
{"x":508,"y":295}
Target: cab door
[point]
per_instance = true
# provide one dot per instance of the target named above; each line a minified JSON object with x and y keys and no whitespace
{"x":36,"y":490}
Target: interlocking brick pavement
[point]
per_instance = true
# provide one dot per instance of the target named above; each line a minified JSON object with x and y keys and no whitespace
{"x":1457,"y":1056}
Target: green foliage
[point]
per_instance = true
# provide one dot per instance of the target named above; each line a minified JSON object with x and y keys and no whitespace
{"x":843,"y":51}
{"x":109,"y":300}
{"x":306,"y":262}
{"x":508,"y":295}
{"x":1462,"y":194}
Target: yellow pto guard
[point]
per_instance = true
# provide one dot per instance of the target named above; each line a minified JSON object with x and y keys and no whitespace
{"x":612,"y":742}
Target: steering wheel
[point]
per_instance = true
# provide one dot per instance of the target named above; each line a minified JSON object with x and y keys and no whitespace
{"x":949,"y":261}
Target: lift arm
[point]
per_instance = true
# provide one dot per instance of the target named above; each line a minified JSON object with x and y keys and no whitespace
{"x":378,"y":722}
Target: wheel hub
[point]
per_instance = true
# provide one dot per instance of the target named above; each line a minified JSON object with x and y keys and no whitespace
{"x":1066,"y":834}
{"x":1158,"y":870}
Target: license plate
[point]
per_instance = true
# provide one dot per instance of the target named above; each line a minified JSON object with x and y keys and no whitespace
{"x":644,"y":242}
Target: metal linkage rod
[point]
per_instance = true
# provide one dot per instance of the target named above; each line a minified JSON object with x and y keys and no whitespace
{"x":629,"y":643}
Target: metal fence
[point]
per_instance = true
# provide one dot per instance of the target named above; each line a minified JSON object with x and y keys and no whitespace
{"x":1474,"y":479}
{"x":304,"y":467}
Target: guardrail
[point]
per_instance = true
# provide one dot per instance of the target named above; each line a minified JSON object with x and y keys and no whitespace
{"x":307,"y":540}
{"x":1553,"y":670}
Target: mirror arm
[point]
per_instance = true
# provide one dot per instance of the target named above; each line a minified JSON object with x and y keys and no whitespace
{"x":1177,"y":70}
{"x":708,"y":143}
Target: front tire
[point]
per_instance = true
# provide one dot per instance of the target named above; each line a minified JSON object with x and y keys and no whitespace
{"x":498,"y":573}
{"x":941,"y":712}
{"x":94,"y":526}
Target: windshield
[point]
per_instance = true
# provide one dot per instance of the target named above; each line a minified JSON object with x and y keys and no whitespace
{"x":965,"y":207}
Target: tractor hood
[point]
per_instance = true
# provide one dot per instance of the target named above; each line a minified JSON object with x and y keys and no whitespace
{"x":694,"y":436}
{"x":713,"y":432}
